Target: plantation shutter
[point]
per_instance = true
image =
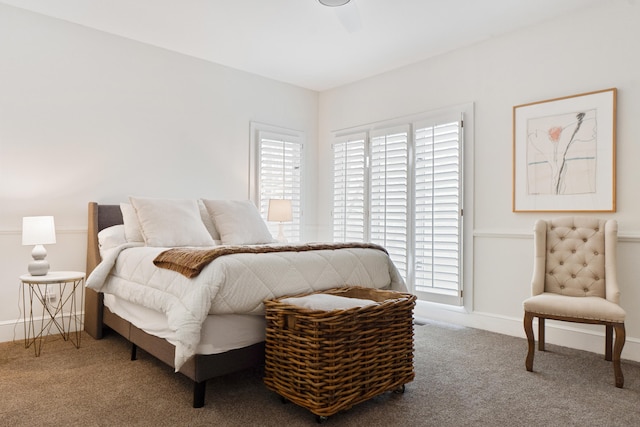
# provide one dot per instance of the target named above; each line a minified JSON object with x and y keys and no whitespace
{"x":280,"y":157}
{"x":389,"y":193}
{"x":401,"y":186}
{"x":349,"y":180}
{"x":438,"y":219}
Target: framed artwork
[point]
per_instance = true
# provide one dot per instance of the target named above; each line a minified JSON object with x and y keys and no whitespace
{"x":564,"y":154}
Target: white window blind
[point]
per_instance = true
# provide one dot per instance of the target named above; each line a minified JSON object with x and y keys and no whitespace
{"x":280,"y":159}
{"x":438,"y":217}
{"x":388,"y":194}
{"x":349,"y":172}
{"x":401,"y":187}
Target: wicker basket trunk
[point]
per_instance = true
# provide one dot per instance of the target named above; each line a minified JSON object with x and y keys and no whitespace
{"x":328,"y":361}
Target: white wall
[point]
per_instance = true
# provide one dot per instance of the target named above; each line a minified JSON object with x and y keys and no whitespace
{"x":589,"y":50}
{"x":87,"y":116}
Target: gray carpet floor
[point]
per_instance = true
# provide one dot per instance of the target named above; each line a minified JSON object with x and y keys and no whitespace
{"x":464,"y":377}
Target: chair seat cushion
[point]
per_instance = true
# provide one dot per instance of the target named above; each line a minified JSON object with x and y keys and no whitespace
{"x":592,"y":308}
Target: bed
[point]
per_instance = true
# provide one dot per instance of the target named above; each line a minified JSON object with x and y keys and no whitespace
{"x":226,"y":333}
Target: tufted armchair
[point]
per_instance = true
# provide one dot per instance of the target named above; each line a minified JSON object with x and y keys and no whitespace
{"x":574,"y":280}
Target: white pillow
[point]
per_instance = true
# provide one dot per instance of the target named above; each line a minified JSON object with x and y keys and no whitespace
{"x":238,"y":222}
{"x":327,"y":302}
{"x":208,"y":222}
{"x":132,"y":231}
{"x":171,"y":222}
{"x":111,"y":237}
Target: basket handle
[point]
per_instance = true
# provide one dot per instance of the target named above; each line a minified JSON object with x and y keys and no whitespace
{"x":285,"y":321}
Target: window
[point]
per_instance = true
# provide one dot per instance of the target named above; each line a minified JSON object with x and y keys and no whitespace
{"x":438,"y":208}
{"x":349,"y":189}
{"x":277,"y":159}
{"x":388,"y":193}
{"x":400,"y":185}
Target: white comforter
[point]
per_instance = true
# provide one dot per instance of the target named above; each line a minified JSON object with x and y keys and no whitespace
{"x":237,"y":283}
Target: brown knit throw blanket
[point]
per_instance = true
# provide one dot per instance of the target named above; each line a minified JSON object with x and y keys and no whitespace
{"x":190,"y":262}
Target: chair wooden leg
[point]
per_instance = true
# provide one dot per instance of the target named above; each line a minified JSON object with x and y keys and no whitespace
{"x":617,"y":350}
{"x":608,"y":342}
{"x":541,"y":333}
{"x":528,"y":330}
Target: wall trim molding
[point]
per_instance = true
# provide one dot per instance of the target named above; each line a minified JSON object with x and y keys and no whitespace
{"x":485,"y":234}
{"x":559,"y":333}
{"x":59,"y":230}
{"x":504,"y":234}
{"x":13,"y":330}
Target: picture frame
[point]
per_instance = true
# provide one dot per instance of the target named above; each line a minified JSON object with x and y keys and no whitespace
{"x":564,"y":154}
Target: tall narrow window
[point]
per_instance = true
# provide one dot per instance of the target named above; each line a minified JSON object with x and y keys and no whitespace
{"x":278,"y":170}
{"x":349,"y":171}
{"x":389,"y":194}
{"x":438,"y":201}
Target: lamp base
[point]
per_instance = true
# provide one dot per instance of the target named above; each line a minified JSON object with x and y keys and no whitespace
{"x":281,"y":237}
{"x":39,"y":267}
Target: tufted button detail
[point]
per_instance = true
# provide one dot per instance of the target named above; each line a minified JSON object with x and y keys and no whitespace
{"x":596,"y":278}
{"x":573,"y":251}
{"x":584,"y":240}
{"x":573,"y":228}
{"x":584,"y":265}
{"x":586,"y":290}
{"x":562,"y":238}
{"x":597,"y":229}
{"x":596,"y":253}
{"x":551,"y":251}
{"x":573,"y":276}
{"x":561,"y":286}
{"x":561,"y":262}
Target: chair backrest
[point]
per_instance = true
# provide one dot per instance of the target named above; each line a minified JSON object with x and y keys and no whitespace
{"x":575,"y":251}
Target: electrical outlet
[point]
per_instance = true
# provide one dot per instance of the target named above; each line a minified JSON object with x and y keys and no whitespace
{"x":50,"y":296}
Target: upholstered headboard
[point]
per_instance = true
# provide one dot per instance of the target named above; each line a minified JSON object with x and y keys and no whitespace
{"x":100,"y":217}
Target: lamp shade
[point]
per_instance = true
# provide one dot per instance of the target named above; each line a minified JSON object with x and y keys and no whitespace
{"x":280,"y":210}
{"x":38,"y":230}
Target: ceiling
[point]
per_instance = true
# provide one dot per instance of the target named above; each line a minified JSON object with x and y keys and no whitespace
{"x":301,"y":41}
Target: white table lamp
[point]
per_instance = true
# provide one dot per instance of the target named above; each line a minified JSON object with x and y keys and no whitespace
{"x":38,"y":231}
{"x":280,"y":210}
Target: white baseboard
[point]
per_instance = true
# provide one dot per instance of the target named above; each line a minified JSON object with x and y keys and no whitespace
{"x":11,"y":330}
{"x":559,"y":333}
{"x":14,"y":330}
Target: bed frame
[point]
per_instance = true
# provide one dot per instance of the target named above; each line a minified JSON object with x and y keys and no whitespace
{"x":98,"y":319}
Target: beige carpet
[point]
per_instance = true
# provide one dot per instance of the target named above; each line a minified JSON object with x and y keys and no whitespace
{"x":464,"y":377}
